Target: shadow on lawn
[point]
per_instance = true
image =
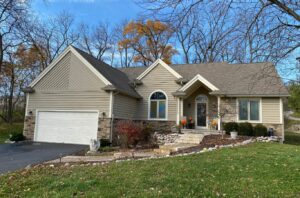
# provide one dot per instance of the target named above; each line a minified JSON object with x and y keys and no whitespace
{"x":292,"y":138}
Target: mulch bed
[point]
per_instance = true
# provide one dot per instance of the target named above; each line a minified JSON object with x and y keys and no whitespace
{"x":213,"y":140}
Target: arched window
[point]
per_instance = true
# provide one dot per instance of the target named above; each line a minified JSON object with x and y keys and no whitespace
{"x":201,"y":98}
{"x":158,"y":105}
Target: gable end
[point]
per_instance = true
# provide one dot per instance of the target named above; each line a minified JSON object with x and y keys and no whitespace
{"x":60,"y":57}
{"x":155,"y":64}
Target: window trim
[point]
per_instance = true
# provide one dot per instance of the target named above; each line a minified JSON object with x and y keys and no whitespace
{"x":248,"y":106}
{"x":149,"y":105}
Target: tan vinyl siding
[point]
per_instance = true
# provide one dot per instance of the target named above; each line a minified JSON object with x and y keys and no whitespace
{"x":82,"y":78}
{"x":271,"y":110}
{"x":57,"y":78}
{"x":158,"y":79}
{"x":79,"y":89}
{"x":69,"y":100}
{"x":124,"y":107}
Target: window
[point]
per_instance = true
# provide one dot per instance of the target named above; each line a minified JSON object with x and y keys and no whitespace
{"x":158,"y":105}
{"x":248,"y":109}
{"x":201,"y":98}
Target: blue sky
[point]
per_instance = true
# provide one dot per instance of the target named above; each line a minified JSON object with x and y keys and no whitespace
{"x":109,"y":11}
{"x":89,"y":11}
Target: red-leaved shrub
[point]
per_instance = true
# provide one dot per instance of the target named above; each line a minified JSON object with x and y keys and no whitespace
{"x":129,"y":132}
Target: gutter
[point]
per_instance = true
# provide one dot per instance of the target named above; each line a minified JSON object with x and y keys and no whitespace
{"x":248,"y":95}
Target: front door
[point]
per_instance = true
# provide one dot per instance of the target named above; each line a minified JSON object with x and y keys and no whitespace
{"x":201,"y":115}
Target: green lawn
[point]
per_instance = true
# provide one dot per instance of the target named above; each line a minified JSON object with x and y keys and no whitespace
{"x":292,"y":138}
{"x":6,"y":129}
{"x":289,"y":123}
{"x":256,"y":170}
{"x":296,"y":114}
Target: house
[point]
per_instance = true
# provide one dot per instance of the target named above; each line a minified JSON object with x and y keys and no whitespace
{"x":79,"y":98}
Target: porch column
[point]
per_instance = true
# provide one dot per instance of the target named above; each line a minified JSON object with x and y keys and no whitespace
{"x":181,"y":108}
{"x":178,"y":111}
{"x":219,"y":109}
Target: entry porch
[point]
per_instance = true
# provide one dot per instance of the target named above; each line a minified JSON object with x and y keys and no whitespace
{"x":197,"y":109}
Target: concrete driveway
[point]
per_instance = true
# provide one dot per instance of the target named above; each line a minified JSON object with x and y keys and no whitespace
{"x":20,"y":155}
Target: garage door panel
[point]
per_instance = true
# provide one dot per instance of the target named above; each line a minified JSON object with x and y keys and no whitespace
{"x":66,"y":127}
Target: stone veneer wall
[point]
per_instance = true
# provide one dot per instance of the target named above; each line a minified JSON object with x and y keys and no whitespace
{"x":104,"y":128}
{"x":158,"y":126}
{"x":29,"y":124}
{"x":277,"y":127}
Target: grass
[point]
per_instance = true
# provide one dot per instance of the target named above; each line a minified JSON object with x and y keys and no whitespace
{"x":288,"y":123}
{"x":296,"y":114}
{"x":7,"y":129}
{"x":256,"y":170}
{"x":292,"y":138}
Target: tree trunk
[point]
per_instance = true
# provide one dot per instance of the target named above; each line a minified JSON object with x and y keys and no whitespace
{"x":1,"y":52}
{"x":11,"y":95}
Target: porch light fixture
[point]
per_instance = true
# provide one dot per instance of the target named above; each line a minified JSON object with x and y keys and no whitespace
{"x":103,"y":114}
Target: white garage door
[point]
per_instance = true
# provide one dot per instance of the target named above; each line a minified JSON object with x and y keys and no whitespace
{"x":66,"y":127}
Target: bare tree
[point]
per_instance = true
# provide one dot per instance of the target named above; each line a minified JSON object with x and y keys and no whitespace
{"x":16,"y":75}
{"x":97,"y":41}
{"x":11,"y":13}
{"x":206,"y":34}
{"x":186,"y":36}
{"x":50,"y":37}
{"x":237,"y":31}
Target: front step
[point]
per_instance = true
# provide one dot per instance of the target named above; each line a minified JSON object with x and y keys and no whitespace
{"x":190,"y":138}
{"x":201,"y":131}
{"x":168,"y":149}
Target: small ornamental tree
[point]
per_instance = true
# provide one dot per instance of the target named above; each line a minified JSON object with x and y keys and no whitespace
{"x":129,"y":132}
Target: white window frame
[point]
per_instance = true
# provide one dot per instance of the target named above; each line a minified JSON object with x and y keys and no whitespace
{"x":149,"y":106}
{"x":248,"y":106}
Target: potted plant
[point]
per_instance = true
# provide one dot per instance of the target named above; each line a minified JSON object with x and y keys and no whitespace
{"x":233,"y":134}
{"x":183,"y":123}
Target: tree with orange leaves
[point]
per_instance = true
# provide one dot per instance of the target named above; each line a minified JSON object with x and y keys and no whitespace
{"x":150,"y":41}
{"x":21,"y":67}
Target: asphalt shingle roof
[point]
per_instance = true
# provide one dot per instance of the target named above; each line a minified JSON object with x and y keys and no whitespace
{"x":117,"y":78}
{"x":231,"y":79}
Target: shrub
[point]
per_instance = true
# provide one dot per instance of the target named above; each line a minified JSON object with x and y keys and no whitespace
{"x":147,"y":133}
{"x":245,"y":128}
{"x":230,"y":126}
{"x":128,"y":133}
{"x":260,"y":130}
{"x":105,"y":142}
{"x":17,"y":137}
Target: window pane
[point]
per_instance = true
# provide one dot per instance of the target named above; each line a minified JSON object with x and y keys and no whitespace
{"x":158,"y":96}
{"x":162,"y":109}
{"x":243,"y":109}
{"x":254,"y":110}
{"x":153,"y":109}
{"x":201,"y":98}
